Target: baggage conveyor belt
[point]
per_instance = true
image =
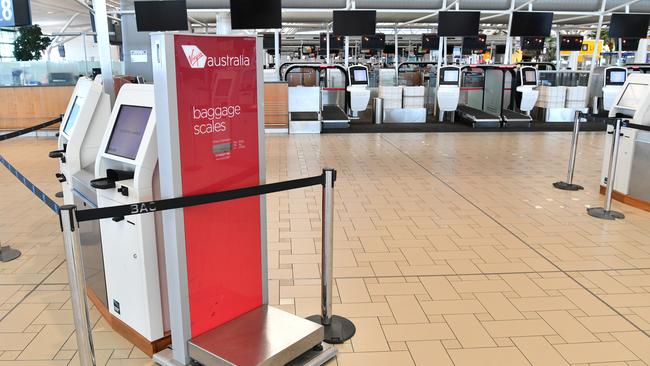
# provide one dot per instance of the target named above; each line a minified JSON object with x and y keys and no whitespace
{"x":334,"y":117}
{"x":478,"y":117}
{"x":512,"y":118}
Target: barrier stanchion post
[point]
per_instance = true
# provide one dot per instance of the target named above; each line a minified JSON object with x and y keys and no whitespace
{"x":337,"y":328}
{"x":7,"y":253}
{"x":83,"y":328}
{"x":606,"y":212}
{"x":568,"y":184}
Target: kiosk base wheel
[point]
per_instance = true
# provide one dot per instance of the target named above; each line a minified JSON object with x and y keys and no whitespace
{"x":338,"y":331}
{"x":7,"y":254}
{"x":568,"y":186}
{"x":600,"y":213}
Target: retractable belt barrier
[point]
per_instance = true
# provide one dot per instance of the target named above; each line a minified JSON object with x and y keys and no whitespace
{"x":202,"y":199}
{"x":21,"y":178}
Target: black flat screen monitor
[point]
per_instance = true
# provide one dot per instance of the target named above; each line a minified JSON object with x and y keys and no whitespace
{"x":615,"y":76}
{"x":373,"y":42}
{"x":389,"y":49}
{"x":72,"y":116}
{"x":458,"y":23}
{"x":336,"y":42}
{"x":570,"y":43}
{"x":128,"y":131}
{"x":354,"y":22}
{"x":532,"y":43}
{"x":430,"y":41}
{"x":531,"y":23}
{"x":160,"y":16}
{"x":268,"y":42}
{"x":500,"y":49}
{"x":255,"y":14}
{"x":629,"y":44}
{"x":474,"y":44}
{"x":15,"y":13}
{"x":628,"y":25}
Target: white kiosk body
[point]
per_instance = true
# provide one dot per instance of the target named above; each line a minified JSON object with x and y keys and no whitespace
{"x":612,"y":84}
{"x":358,"y":89}
{"x":81,"y":133}
{"x":448,"y":92}
{"x":528,"y":88}
{"x":633,"y":168}
{"x":126,"y":172}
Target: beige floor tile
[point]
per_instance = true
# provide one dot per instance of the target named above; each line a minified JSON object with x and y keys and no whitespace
{"x":595,"y":352}
{"x":375,"y":358}
{"x":469,"y":331}
{"x":369,"y":336}
{"x":47,"y":343}
{"x":406,"y":309}
{"x":488,"y":357}
{"x":426,"y":353}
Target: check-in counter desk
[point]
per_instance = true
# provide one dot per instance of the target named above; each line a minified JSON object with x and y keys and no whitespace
{"x":276,"y":106}
{"x":24,"y":106}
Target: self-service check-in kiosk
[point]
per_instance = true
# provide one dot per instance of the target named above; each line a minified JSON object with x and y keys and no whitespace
{"x":448,"y":92}
{"x":633,"y":166}
{"x":81,"y":133}
{"x":612,"y":84}
{"x":358,"y":91}
{"x":126,"y":173}
{"x":80,"y":136}
{"x":210,"y":139}
{"x":527,"y":89}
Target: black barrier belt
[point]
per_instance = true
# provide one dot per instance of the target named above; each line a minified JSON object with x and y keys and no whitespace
{"x":11,"y":135}
{"x":37,"y":192}
{"x":202,"y":199}
{"x":638,"y":127}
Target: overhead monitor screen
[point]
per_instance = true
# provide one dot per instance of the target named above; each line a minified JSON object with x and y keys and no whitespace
{"x":355,"y":22}
{"x":360,"y":75}
{"x":632,"y":96}
{"x":629,"y":44}
{"x":128,"y":131}
{"x":255,"y":14}
{"x":430,"y":41}
{"x":532,"y":43}
{"x":531,"y":23}
{"x":268,"y":42}
{"x":617,"y":76}
{"x":629,"y":25}
{"x":530,"y":76}
{"x":450,"y":76}
{"x":72,"y":116}
{"x":458,"y":23}
{"x":373,"y":42}
{"x":159,"y":16}
{"x":474,"y":44}
{"x":336,"y":42}
{"x":570,"y":43}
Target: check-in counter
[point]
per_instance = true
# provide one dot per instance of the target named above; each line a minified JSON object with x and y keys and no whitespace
{"x":276,"y":106}
{"x":24,"y":106}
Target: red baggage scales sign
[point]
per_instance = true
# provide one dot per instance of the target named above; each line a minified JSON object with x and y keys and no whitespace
{"x":218,"y":135}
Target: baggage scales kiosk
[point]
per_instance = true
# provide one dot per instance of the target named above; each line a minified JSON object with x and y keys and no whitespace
{"x":488,"y":95}
{"x":209,"y":106}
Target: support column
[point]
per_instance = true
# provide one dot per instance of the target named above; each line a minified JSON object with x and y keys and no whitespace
{"x":347,"y":51}
{"x":278,"y":56}
{"x":104,"y":46}
{"x":558,"y":57}
{"x":137,"y":42}
{"x":224,"y":24}
{"x":508,"y":56}
{"x":594,"y":55}
{"x":396,"y":55}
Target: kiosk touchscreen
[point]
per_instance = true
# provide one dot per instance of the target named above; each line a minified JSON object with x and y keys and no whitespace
{"x":358,"y":91}
{"x":633,"y":104}
{"x":80,"y":134}
{"x":126,"y":173}
{"x":612,"y":83}
{"x":448,"y":92}
{"x":528,"y":88}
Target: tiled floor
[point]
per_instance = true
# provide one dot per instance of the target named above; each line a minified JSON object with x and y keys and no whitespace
{"x":450,"y":249}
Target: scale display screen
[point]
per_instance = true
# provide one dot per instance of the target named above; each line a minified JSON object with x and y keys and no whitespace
{"x":128,"y":131}
{"x":632,"y":96}
{"x":617,"y":76}
{"x":360,"y":75}
{"x":72,"y":116}
{"x":530,"y":76}
{"x":450,"y":76}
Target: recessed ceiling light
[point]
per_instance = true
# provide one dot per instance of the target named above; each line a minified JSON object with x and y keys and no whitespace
{"x":50,"y":12}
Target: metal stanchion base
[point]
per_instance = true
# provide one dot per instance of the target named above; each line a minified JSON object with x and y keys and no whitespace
{"x":568,"y":186}
{"x":338,"y":331}
{"x":58,"y":195}
{"x":600,"y":213}
{"x":7,"y":254}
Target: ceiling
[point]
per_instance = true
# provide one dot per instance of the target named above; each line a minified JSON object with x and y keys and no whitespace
{"x":315,"y":14}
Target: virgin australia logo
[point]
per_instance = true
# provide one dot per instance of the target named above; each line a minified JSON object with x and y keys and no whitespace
{"x":195,"y":56}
